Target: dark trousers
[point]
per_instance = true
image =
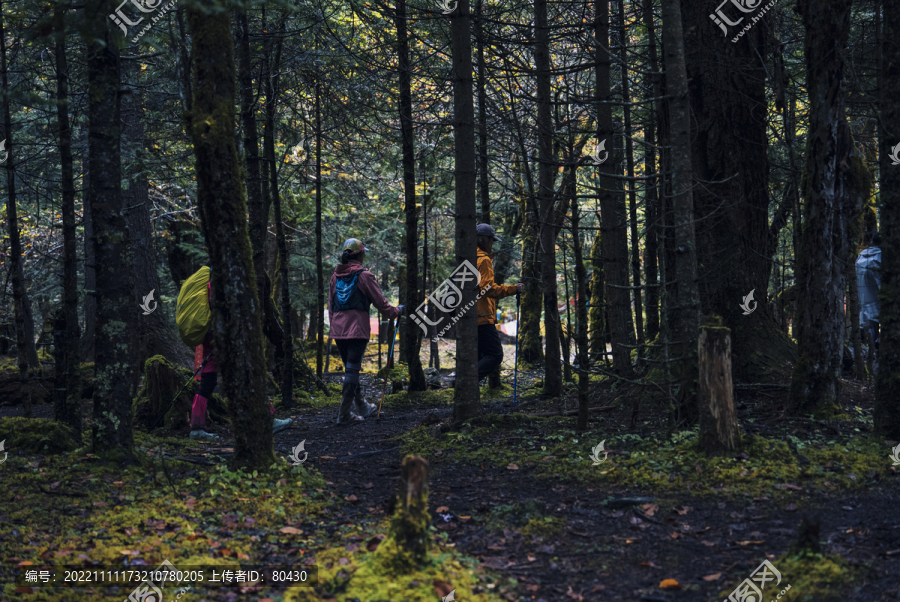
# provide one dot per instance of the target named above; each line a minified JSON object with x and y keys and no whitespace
{"x":490,"y":352}
{"x":352,"y":351}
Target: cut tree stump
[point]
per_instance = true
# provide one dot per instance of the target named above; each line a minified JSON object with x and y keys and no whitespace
{"x":406,"y":547}
{"x":719,"y":431}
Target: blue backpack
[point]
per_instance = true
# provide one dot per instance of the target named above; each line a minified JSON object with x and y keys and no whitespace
{"x":347,"y":295}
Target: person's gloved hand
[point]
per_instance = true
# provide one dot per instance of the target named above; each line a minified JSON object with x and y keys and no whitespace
{"x":402,"y":309}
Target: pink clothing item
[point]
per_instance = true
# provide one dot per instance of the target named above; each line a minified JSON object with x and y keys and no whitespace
{"x":354,"y":323}
{"x":271,"y":408}
{"x":198,"y":413}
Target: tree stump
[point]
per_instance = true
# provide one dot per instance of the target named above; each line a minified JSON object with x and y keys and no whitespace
{"x":719,"y":432}
{"x":153,"y":405}
{"x":406,"y":547}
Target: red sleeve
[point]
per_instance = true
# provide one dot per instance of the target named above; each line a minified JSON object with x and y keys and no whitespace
{"x":369,"y":287}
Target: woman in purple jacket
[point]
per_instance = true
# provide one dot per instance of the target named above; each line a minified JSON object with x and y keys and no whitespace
{"x":348,"y":310}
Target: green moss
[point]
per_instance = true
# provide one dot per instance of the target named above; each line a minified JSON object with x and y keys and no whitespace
{"x":36,"y":436}
{"x":808,"y":577}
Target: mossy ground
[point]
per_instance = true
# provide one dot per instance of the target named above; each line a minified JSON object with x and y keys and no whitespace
{"x":808,"y":577}
{"x":671,"y":463}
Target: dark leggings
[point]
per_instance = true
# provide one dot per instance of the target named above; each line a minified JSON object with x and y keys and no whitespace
{"x":207,"y":384}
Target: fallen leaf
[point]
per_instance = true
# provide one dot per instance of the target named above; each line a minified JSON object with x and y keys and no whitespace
{"x":683,"y":510}
{"x":226,"y":552}
{"x":327,"y":458}
{"x":242,"y":556}
{"x":368,"y":486}
{"x":532,"y":588}
{"x":892,"y":553}
{"x":190,"y":503}
{"x":442,"y":588}
{"x":649,"y":564}
{"x":675,"y":535}
{"x":573,"y":595}
{"x":372,"y":544}
{"x":792,"y":507}
{"x":649,"y":509}
{"x":794,"y":487}
{"x":128,"y":552}
{"x":291,"y":530}
{"x":100,"y":504}
{"x":343,"y":562}
{"x":351,"y":498}
{"x":25,"y":563}
{"x":713,"y":577}
{"x":512,"y":466}
{"x":751,"y":542}
{"x":668,"y":583}
{"x":54,"y":485}
{"x":442,"y":509}
{"x":352,"y":548}
{"x":709,"y":544}
{"x":531,"y":557}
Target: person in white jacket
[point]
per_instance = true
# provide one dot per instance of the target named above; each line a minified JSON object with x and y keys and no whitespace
{"x":868,"y":279}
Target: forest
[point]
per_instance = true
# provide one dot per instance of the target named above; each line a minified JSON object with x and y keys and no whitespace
{"x":450,"y":300}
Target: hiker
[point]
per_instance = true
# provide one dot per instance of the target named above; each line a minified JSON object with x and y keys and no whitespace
{"x":868,"y":279}
{"x":207,"y":386}
{"x":490,"y":351}
{"x":352,"y":291}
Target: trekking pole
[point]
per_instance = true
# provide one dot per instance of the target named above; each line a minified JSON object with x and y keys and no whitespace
{"x":177,"y":395}
{"x":516,"y":369}
{"x":390,"y":360}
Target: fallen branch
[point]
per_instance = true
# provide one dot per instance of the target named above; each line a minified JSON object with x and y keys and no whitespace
{"x":66,"y":493}
{"x":373,"y":453}
{"x":644,"y":516}
{"x":571,"y":412}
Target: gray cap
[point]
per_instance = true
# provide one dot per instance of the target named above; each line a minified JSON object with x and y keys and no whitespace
{"x":486,"y":230}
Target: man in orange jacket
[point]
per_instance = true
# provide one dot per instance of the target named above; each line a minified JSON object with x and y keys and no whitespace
{"x":490,"y":352}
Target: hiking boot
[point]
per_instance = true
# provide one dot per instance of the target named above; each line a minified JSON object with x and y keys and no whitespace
{"x":279,"y":425}
{"x":348,"y":398}
{"x":203,"y":435}
{"x":361,"y":406}
{"x":354,"y":419}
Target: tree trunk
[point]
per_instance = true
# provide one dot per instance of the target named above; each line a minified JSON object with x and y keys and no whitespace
{"x":582,"y":357}
{"x":614,"y":224}
{"x":466,"y":403}
{"x":155,"y":334}
{"x":220,"y":191}
{"x":822,"y":268}
{"x":320,"y":270}
{"x":412,"y":337}
{"x":86,"y":344}
{"x":719,"y":431}
{"x":115,"y":368}
{"x":546,"y":196}
{"x":255,"y":202}
{"x":597,"y":313}
{"x":727,"y":84}
{"x":27,"y":357}
{"x":629,"y":164}
{"x":887,"y":381}
{"x":684,"y":308}
{"x":67,"y":398}
{"x":528,"y":322}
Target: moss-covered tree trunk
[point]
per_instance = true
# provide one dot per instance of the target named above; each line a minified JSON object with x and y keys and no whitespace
{"x":115,"y":368}
{"x":67,"y":402}
{"x":528,"y":322}
{"x":821,"y":270}
{"x":887,"y":381}
{"x":221,"y":195}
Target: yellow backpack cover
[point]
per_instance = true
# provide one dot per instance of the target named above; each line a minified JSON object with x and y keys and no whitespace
{"x":193,"y":315}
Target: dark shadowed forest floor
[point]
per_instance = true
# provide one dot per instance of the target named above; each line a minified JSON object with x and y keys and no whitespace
{"x":519,"y":510}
